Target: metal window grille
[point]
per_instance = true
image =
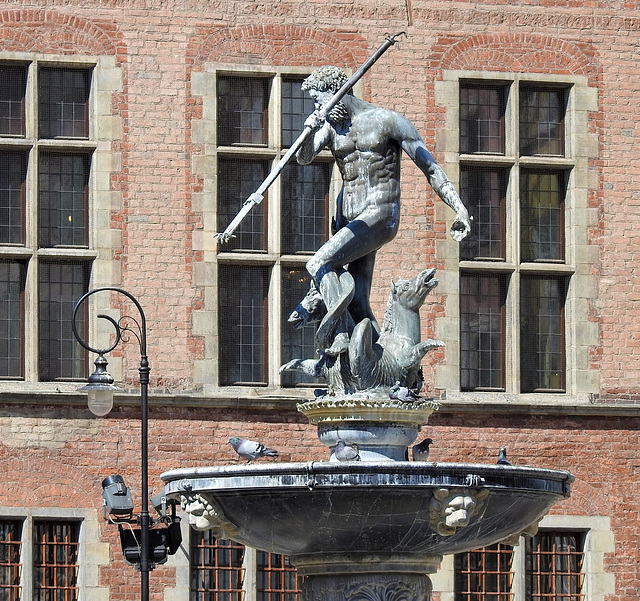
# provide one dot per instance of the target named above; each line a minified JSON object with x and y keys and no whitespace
{"x":60,"y":201}
{"x":484,"y":574}
{"x":217,"y":572}
{"x":542,"y":215}
{"x":482,"y":112}
{"x":12,"y":281}
{"x":554,"y":567}
{"x":243,"y":323}
{"x":483,"y":190}
{"x":305,"y":206}
{"x":60,"y":286}
{"x":482,"y":326}
{"x":542,"y":356}
{"x":243,"y":110}
{"x":277,"y":578}
{"x":542,"y":113}
{"x":13,"y":175}
{"x":12,"y":99}
{"x":258,"y":118}
{"x":297,"y":343}
{"x":10,"y":569}
{"x":238,"y":178}
{"x":64,"y":102}
{"x":55,"y":561}
{"x":296,"y":105}
{"x":63,"y":199}
{"x":519,"y":219}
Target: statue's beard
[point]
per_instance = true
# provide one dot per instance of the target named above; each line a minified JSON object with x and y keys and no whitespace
{"x":338,"y":114}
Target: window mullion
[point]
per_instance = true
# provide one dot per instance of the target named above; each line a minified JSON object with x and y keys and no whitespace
{"x":250,"y":566}
{"x":274,"y":324}
{"x":31,"y":326}
{"x":275,"y":113}
{"x":26,"y":559}
{"x":518,"y":586}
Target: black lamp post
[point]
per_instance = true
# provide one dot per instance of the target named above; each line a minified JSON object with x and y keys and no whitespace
{"x":101,"y":389}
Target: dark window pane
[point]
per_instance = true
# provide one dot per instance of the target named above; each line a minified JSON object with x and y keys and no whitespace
{"x":55,"y":561}
{"x":13,"y":85}
{"x":296,"y":105}
{"x":484,"y":574}
{"x":277,"y":579}
{"x":297,"y":343}
{"x":542,"y":121}
{"x":483,"y":190}
{"x":542,"y":215}
{"x":10,"y":543}
{"x":12,"y":280}
{"x":554,"y":566}
{"x":542,"y":354}
{"x":13,"y":174}
{"x":482,"y":324}
{"x":61,"y":285}
{"x":482,"y":110}
{"x":242,"y":110}
{"x":305,"y":204}
{"x":63,"y":196}
{"x":64,"y":102}
{"x":237,"y":180}
{"x":243,"y":324}
{"x":216,"y":568}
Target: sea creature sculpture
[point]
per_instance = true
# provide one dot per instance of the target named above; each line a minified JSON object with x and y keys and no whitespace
{"x":372,"y":362}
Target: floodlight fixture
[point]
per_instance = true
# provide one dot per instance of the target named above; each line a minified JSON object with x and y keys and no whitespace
{"x":117,"y":497}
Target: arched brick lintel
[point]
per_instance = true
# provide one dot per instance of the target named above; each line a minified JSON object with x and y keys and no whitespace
{"x":516,"y":52}
{"x":51,"y":32}
{"x":278,"y":45}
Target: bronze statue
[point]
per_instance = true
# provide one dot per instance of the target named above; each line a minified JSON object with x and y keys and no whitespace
{"x":367,"y":142}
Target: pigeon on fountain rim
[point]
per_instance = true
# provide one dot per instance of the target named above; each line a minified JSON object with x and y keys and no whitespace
{"x":251,"y":450}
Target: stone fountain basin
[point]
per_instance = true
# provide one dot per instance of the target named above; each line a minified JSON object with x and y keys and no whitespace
{"x":398,"y":508}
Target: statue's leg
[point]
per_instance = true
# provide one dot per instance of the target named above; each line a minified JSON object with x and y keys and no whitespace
{"x":362,"y":271}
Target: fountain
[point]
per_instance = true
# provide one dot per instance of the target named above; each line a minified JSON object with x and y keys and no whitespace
{"x":372,"y":527}
{"x":376,"y":526}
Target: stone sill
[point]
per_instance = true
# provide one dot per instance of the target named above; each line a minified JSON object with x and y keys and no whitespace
{"x":281,"y":401}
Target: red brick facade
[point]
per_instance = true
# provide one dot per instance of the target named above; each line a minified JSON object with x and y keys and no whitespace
{"x":55,"y":454}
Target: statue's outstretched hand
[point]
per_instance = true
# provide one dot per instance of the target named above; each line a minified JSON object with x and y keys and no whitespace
{"x":461,"y":226}
{"x":314,"y":121}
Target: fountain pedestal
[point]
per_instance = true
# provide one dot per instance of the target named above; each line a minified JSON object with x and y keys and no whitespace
{"x":373,"y":586}
{"x":382,"y":429}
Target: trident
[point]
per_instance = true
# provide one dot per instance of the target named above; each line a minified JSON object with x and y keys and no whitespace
{"x":257,"y":196}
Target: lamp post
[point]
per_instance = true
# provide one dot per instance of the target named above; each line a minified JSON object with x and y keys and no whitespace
{"x":100,"y":389}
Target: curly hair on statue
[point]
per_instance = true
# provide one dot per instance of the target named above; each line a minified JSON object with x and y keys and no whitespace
{"x":325,"y":78}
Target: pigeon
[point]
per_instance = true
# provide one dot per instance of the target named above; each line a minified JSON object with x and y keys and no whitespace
{"x":345,"y":452}
{"x":420,"y":451}
{"x":502,"y":458}
{"x":402,"y":393}
{"x":250,"y":450}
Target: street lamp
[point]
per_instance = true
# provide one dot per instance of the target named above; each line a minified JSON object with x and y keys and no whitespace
{"x":100,"y":389}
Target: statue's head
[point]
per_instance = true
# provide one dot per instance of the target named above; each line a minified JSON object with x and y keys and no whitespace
{"x":325,"y":79}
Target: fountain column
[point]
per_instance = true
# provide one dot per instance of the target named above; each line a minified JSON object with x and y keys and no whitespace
{"x":349,"y":577}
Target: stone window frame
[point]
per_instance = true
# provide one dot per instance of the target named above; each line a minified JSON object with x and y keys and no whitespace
{"x":205,"y":322}
{"x":92,"y":554}
{"x":104,"y":128}
{"x":599,"y":541}
{"x":581,"y":334}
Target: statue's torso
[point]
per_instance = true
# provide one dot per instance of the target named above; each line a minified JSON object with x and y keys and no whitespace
{"x":369,"y":161}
